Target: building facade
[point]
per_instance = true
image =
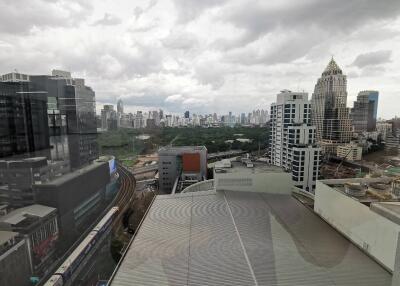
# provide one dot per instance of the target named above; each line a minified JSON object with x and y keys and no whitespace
{"x":349,"y":152}
{"x":79,"y":198}
{"x":24,"y":127}
{"x":59,"y":117}
{"x":14,"y":260}
{"x":18,"y":177}
{"x":364,"y":111}
{"x":292,"y":138}
{"x":38,"y":225}
{"x":109,"y":119}
{"x":329,"y":112}
{"x":188,"y":163}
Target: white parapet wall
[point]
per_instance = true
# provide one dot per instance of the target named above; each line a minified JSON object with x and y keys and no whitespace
{"x":276,"y":183}
{"x":374,"y":233}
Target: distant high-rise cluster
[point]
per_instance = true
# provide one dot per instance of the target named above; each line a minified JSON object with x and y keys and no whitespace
{"x":110,"y":119}
{"x":303,"y":131}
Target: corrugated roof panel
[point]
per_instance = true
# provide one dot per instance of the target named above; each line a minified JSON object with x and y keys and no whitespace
{"x":159,"y":254}
{"x":241,"y":238}
{"x":216,"y":257}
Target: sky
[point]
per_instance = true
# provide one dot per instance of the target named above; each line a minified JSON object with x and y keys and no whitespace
{"x":206,"y":55}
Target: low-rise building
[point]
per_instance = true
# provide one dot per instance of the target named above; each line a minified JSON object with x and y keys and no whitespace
{"x":349,"y":152}
{"x":247,"y":175}
{"x":384,"y":128}
{"x":14,"y":260}
{"x":38,"y":225}
{"x":187,"y":164}
{"x":392,"y":143}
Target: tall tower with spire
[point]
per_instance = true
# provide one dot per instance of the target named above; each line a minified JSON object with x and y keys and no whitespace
{"x":330,"y":114}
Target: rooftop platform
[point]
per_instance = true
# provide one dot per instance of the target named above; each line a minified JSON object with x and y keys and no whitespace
{"x":19,"y":215}
{"x":389,"y":210}
{"x":257,"y":168}
{"x":241,"y":238}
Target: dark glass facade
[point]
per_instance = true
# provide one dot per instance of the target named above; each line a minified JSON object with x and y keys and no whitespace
{"x":24,"y":128}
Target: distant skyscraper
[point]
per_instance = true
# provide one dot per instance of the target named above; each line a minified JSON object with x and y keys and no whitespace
{"x":120,"y":106}
{"x":292,"y":139}
{"x":373,"y":97}
{"x":359,"y":113}
{"x":329,"y":112}
{"x":108,"y":117}
{"x":187,"y":114}
{"x":365,"y":110}
{"x":243,"y":118}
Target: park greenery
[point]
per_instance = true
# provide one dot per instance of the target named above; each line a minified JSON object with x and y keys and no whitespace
{"x":125,"y":144}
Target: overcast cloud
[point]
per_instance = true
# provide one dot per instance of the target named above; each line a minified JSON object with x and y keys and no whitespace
{"x":205,"y":55}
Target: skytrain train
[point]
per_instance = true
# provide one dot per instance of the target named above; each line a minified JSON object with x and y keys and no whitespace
{"x":72,"y":263}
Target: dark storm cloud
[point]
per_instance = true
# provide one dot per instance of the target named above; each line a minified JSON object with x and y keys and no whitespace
{"x":108,"y":20}
{"x":19,"y":17}
{"x":285,"y":49}
{"x":109,"y":60}
{"x":257,"y":18}
{"x":372,"y":58}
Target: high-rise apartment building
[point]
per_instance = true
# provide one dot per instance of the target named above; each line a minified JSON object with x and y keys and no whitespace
{"x":292,"y":138}
{"x":329,"y":112}
{"x":364,"y":111}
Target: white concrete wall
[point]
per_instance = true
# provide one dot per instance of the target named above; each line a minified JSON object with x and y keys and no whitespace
{"x":372,"y":232}
{"x":275,"y":183}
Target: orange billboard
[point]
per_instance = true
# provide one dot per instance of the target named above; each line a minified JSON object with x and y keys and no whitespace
{"x":191,"y":162}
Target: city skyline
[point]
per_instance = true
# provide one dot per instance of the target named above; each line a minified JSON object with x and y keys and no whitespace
{"x":212,"y":55}
{"x":199,"y":142}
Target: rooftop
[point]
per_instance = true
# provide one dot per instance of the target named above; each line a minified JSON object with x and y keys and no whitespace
{"x":241,"y":238}
{"x":19,"y":215}
{"x":364,"y":190}
{"x":390,"y":210}
{"x":75,"y":174}
{"x":175,"y":149}
{"x":240,"y":167}
{"x":332,"y":68}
